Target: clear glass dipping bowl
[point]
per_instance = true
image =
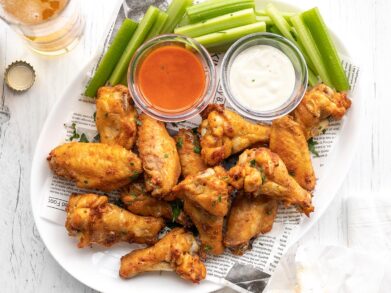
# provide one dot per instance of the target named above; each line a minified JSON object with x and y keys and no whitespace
{"x":210,"y":76}
{"x":294,"y":55}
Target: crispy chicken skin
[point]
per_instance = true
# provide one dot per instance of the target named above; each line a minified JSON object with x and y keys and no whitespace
{"x":95,"y":165}
{"x":224,"y":132}
{"x":249,"y":217}
{"x":318,"y":104}
{"x":94,"y":220}
{"x":116,"y":116}
{"x":208,"y":189}
{"x":176,"y":251}
{"x":138,"y":201}
{"x":159,"y":157}
{"x":262,"y":172}
{"x":188,"y":146}
{"x":210,"y":228}
{"x":287,"y":140}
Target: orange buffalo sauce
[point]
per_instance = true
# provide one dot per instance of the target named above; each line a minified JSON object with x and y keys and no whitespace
{"x":171,"y":78}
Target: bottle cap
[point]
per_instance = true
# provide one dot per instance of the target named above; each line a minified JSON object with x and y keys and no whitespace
{"x":19,"y":76}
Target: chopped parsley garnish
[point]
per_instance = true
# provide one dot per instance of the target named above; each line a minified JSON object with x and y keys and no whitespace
{"x":135,"y":175}
{"x":83,"y":138}
{"x":179,"y":143}
{"x":311,"y":147}
{"x":166,"y":156}
{"x":252,"y":163}
{"x":219,"y":198}
{"x":138,"y":122}
{"x":176,"y":208}
{"x":197,"y":149}
{"x":207,"y":248}
{"x":75,"y":135}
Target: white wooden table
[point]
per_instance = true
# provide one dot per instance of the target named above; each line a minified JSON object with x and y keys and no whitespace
{"x":25,"y":264}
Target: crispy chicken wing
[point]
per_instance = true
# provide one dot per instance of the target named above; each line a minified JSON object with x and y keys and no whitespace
{"x":287,"y":140}
{"x":140,"y":202}
{"x":176,"y":251}
{"x":95,"y":165}
{"x":224,"y":132}
{"x":249,"y":217}
{"x":189,"y":151}
{"x":318,"y":104}
{"x":261,"y":172}
{"x":208,"y":189}
{"x":159,"y":157}
{"x":210,"y":228}
{"x":116,"y":116}
{"x":94,"y":220}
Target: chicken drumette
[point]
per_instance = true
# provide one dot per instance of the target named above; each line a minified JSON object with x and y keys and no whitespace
{"x":94,"y":220}
{"x":224,"y":132}
{"x":176,"y":251}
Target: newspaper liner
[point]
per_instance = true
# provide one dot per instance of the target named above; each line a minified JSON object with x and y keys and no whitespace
{"x":247,"y":273}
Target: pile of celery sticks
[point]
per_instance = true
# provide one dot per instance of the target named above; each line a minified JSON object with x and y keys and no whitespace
{"x":216,"y":24}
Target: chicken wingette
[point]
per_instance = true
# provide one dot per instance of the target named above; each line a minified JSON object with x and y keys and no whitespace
{"x":159,"y":156}
{"x":287,"y":140}
{"x":94,"y":220}
{"x":224,"y":132}
{"x":262,"y":172}
{"x":95,"y":165}
{"x":249,"y":216}
{"x":176,"y":251}
{"x":116,"y":116}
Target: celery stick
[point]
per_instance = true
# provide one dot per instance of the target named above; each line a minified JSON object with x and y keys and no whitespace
{"x":310,"y":47}
{"x":312,"y":78}
{"x":213,"y":8}
{"x":327,"y":49}
{"x":175,"y":12}
{"x":231,"y":35}
{"x":138,"y":38}
{"x":273,"y":29}
{"x":111,"y":57}
{"x":157,"y":26}
{"x":264,"y":18}
{"x":286,"y":15}
{"x":220,"y":23}
{"x":280,"y":22}
{"x":185,"y":20}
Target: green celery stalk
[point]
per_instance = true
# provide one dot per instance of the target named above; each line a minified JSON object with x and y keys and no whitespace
{"x":273,"y":29}
{"x":280,"y":22}
{"x":111,"y":57}
{"x":264,"y":18}
{"x":312,"y":78}
{"x":213,"y":8}
{"x":185,"y":20}
{"x":331,"y":60}
{"x":175,"y":12}
{"x":231,"y":35}
{"x":220,"y":23}
{"x":308,"y":43}
{"x":157,"y":26}
{"x":286,"y":15}
{"x":138,"y":38}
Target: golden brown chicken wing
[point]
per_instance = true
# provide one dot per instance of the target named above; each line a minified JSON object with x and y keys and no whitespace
{"x":208,"y":189}
{"x":318,"y":104}
{"x":224,"y":132}
{"x":209,"y":227}
{"x":287,"y":140}
{"x":176,"y":251}
{"x":95,"y":165}
{"x":116,"y":116}
{"x":261,"y":172}
{"x":189,"y":151}
{"x":140,"y":202}
{"x":94,"y":220}
{"x":159,"y":156}
{"x":249,"y":217}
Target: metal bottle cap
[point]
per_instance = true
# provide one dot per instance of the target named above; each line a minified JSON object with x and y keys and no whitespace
{"x":19,"y":76}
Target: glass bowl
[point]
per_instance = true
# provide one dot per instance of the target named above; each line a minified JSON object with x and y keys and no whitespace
{"x":172,"y":115}
{"x":294,"y":55}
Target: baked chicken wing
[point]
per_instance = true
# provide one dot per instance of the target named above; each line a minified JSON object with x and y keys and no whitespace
{"x":318,"y":104}
{"x":94,"y":220}
{"x":249,"y":217}
{"x":159,"y":157}
{"x":138,"y":201}
{"x":116,"y":116}
{"x":176,"y":251}
{"x":189,"y":151}
{"x":287,"y":140}
{"x":261,"y":172}
{"x":224,"y":132}
{"x":95,"y":165}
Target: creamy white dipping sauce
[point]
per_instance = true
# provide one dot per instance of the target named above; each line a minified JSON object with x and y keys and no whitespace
{"x":262,"y":78}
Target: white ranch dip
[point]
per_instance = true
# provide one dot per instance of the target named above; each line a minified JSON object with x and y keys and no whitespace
{"x":262,"y":78}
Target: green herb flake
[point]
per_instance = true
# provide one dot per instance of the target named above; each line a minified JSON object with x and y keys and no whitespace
{"x":176,"y":210}
{"x":179,"y":143}
{"x":74,"y":135}
{"x":219,"y":198}
{"x":197,"y":149}
{"x":207,"y":248}
{"x":311,"y":147}
{"x":166,"y":156}
{"x":83,"y":138}
{"x":134,"y":176}
{"x":138,"y":122}
{"x":252,"y":163}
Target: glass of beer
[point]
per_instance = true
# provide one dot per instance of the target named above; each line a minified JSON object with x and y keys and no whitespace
{"x":50,"y":27}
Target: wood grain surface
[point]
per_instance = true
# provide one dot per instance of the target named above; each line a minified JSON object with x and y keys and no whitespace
{"x":26,"y":266}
